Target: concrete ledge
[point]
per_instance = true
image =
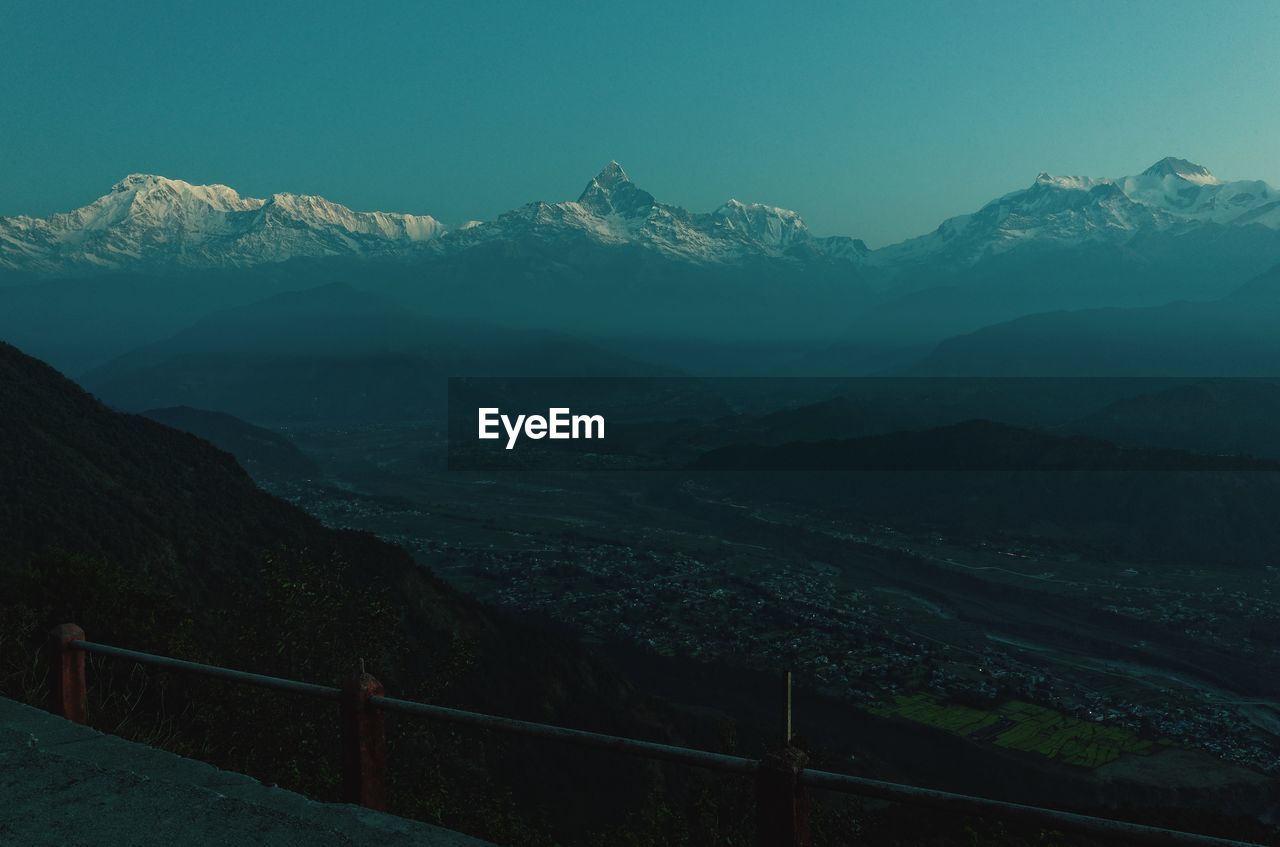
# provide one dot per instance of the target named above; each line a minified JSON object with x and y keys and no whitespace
{"x":67,"y":785}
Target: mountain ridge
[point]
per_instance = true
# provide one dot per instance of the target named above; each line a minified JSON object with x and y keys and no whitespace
{"x":1231,"y":336}
{"x":1170,"y":195}
{"x":148,"y":221}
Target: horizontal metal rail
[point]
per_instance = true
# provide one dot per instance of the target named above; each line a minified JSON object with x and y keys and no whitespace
{"x":824,"y":780}
{"x":648,"y":749}
{"x":821,"y":780}
{"x":966,"y":804}
{"x":324,"y":692}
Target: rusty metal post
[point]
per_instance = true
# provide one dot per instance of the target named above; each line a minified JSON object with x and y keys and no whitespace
{"x":66,"y":672}
{"x":364,"y":743}
{"x":782,"y":803}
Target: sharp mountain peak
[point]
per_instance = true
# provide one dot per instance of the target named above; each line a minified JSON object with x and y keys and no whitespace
{"x":1188,"y":170}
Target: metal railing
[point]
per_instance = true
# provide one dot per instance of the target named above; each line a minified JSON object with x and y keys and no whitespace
{"x":782,"y":780}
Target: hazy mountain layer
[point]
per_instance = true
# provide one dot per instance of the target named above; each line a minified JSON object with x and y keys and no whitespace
{"x":334,"y":353}
{"x":1233,"y":336}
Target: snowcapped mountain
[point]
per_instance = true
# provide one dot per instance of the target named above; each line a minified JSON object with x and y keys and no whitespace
{"x":1188,"y":191}
{"x":154,"y":222}
{"x":150,"y":221}
{"x":614,"y":210}
{"x":1170,"y":196}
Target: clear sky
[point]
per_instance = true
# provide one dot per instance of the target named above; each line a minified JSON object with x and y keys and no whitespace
{"x":875,"y":120}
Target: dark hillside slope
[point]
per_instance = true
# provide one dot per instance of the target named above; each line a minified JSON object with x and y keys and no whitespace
{"x":172,"y":510}
{"x":154,"y":539}
{"x":1214,"y":416}
{"x":82,"y":478}
{"x":263,"y":452}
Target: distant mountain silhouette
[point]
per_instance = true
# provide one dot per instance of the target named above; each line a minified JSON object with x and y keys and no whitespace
{"x":974,"y":446}
{"x":1240,"y":416}
{"x":981,"y":480}
{"x":262,"y":452}
{"x":1231,"y":336}
{"x":337,"y":354}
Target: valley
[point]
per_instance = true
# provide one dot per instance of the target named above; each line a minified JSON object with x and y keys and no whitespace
{"x":1082,"y":665}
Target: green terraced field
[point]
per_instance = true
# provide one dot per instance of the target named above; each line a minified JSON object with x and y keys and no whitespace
{"x":1070,"y":740}
{"x":1023,"y":726}
{"x":962,"y":720}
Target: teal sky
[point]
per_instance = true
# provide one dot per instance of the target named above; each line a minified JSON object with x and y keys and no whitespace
{"x":875,"y":120}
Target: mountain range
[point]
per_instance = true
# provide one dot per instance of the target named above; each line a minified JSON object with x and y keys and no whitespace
{"x":149,"y":222}
{"x":153,"y":222}
{"x":1105,"y":275}
{"x":1232,"y":336}
{"x":1171,"y":195}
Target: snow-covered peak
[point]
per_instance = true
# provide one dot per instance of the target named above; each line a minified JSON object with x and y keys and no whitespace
{"x":769,"y":225}
{"x":134,"y":183}
{"x":612,"y":210}
{"x":611,"y":174}
{"x":149,"y":190}
{"x":1071,"y":210}
{"x":148,"y":221}
{"x":1069,"y":183}
{"x":735,"y":208}
{"x":1052,"y":210}
{"x":1181,"y":168}
{"x":612,"y":192}
{"x":1191,"y":192}
{"x":315,"y":211}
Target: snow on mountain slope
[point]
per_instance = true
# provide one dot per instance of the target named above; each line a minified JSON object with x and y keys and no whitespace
{"x":1190,"y":191}
{"x":614,"y":210}
{"x":1069,"y":210}
{"x":150,"y":220}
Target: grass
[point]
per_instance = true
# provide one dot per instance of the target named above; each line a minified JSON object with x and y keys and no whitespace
{"x":1026,"y":727}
